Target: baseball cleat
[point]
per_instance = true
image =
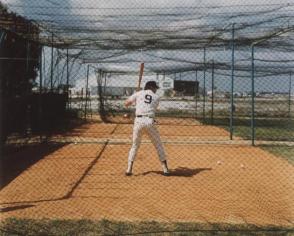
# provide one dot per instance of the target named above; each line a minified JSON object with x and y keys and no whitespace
{"x":129,"y":170}
{"x":166,"y":173}
{"x":165,"y":168}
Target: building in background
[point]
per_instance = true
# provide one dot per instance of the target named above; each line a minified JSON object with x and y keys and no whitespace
{"x":186,"y":88}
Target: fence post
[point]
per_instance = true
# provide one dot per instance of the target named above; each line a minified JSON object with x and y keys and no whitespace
{"x":275,"y":34}
{"x":212,"y":93}
{"x":101,"y":109}
{"x":27,"y":58}
{"x":105,"y":81}
{"x":41,"y":72}
{"x":40,"y":104}
{"x":232,"y":83}
{"x":290,"y":90}
{"x":2,"y":36}
{"x":28,"y":128}
{"x":196,"y":92}
{"x":87,"y":82}
{"x":204,"y":83}
{"x":67,"y":80}
{"x":51,"y":75}
{"x":252,"y":97}
{"x":67,"y":70}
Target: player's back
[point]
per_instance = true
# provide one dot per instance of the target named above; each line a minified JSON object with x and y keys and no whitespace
{"x":146,"y":102}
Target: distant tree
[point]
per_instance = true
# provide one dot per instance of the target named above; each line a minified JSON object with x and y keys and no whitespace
{"x":18,"y":71}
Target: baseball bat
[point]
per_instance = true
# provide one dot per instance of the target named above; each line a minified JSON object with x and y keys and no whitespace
{"x":140,"y":76}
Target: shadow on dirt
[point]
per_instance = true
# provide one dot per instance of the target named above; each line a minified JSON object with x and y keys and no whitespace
{"x":180,"y":172}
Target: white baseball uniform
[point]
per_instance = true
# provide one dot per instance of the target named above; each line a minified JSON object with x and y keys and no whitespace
{"x":146,"y":103}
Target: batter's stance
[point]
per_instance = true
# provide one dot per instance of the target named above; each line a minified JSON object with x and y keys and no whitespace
{"x":146,"y":102}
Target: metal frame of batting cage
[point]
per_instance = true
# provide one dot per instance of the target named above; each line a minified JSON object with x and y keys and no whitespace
{"x":232,"y":106}
{"x":231,"y":124}
{"x":253,"y":46}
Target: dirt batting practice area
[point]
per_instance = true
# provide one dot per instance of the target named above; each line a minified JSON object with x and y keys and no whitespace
{"x":211,"y":181}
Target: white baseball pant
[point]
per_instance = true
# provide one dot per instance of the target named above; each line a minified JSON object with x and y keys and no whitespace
{"x":146,"y":123}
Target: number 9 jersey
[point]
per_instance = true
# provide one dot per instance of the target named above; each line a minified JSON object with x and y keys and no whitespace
{"x":146,"y":102}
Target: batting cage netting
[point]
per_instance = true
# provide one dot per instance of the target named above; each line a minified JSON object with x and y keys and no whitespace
{"x":147,"y":117}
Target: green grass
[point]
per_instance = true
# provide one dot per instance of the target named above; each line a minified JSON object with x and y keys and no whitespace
{"x":266,"y":133}
{"x":286,"y":152}
{"x":14,"y":226}
{"x":268,"y":130}
{"x":265,"y":129}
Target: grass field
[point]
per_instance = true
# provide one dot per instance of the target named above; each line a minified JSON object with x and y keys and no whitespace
{"x":286,"y":152}
{"x":14,"y":226}
{"x":271,"y":129}
{"x":268,"y":130}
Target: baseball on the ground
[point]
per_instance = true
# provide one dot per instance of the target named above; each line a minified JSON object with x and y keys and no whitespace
{"x":126,"y":115}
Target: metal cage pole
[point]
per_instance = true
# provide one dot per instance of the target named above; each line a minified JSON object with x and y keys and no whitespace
{"x":101,"y":109}
{"x":2,"y":37}
{"x":105,"y":81}
{"x":28,"y":121}
{"x":51,"y":76}
{"x":57,"y":70}
{"x":104,"y":87}
{"x":67,"y":79}
{"x":232,"y":83}
{"x":204,"y":83}
{"x":212,"y":93}
{"x":67,"y":69}
{"x":27,"y":61}
{"x":41,"y":72}
{"x":40,"y":110}
{"x":252,"y":97}
{"x":290,"y":90}
{"x":275,"y":34}
{"x":196,"y":93}
{"x":87,"y":82}
{"x":27,"y":58}
{"x":45,"y":82}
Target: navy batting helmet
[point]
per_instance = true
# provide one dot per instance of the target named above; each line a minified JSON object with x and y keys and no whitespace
{"x":151,"y":84}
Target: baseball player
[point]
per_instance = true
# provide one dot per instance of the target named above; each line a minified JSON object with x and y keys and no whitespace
{"x":146,"y":102}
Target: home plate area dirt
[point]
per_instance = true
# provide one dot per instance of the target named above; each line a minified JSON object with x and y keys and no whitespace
{"x":209,"y":183}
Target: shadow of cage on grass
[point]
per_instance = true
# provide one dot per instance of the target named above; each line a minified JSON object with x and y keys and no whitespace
{"x":15,"y":226}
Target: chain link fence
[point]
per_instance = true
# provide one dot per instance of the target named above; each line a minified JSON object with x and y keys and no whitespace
{"x":225,"y":117}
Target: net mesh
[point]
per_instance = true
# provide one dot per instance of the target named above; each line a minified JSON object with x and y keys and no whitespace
{"x":225,"y":117}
